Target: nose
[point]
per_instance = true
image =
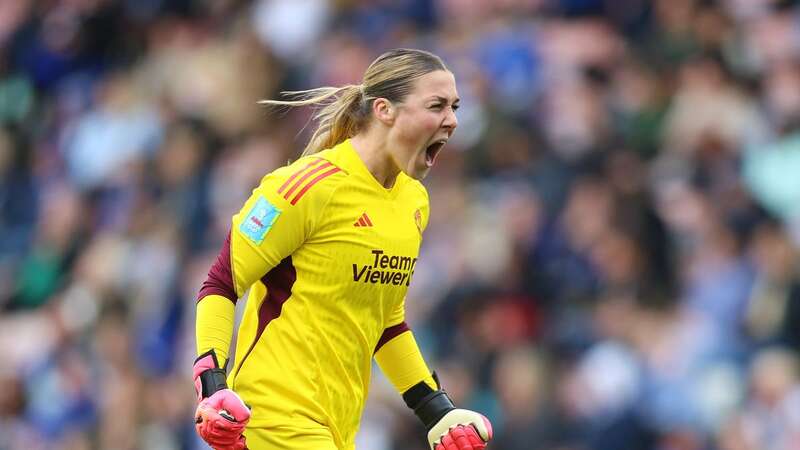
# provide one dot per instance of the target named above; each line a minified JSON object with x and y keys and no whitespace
{"x":450,"y":121}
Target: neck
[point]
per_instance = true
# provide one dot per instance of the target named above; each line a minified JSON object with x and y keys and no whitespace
{"x":372,"y":147}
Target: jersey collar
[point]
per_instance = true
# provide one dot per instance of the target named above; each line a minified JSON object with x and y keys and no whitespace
{"x":356,"y":165}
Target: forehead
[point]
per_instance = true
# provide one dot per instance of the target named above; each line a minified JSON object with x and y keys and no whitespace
{"x":440,"y":83}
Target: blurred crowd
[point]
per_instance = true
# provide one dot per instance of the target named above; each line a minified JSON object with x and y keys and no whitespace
{"x":611,"y":261}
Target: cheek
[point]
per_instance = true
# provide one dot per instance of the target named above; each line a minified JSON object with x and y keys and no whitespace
{"x":430,"y":124}
{"x":418,"y":128}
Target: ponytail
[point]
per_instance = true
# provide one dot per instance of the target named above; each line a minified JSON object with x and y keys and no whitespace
{"x":341,"y":114}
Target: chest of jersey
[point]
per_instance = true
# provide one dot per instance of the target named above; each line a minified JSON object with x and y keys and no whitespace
{"x":370,"y":243}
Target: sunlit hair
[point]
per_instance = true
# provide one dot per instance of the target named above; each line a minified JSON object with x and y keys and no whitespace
{"x":344,"y":111}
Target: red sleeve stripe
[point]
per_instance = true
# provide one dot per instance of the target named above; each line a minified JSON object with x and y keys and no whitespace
{"x":313,"y":182}
{"x":391,"y":333}
{"x":296,"y":174}
{"x":305,"y":177}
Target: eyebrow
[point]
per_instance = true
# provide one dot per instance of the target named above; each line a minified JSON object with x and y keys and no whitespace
{"x":444,"y":99}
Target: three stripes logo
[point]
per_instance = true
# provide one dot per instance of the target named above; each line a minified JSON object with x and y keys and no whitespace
{"x":308,"y":176}
{"x":363,"y":221}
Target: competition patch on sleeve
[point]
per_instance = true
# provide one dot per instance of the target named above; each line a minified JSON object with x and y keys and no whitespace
{"x":259,"y":220}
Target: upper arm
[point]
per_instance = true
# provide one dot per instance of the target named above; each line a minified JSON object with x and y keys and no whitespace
{"x":281,"y":214}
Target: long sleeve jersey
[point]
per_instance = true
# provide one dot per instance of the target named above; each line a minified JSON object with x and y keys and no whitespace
{"x":325,"y":254}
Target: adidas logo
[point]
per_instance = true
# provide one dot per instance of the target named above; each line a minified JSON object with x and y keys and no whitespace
{"x":363,"y":221}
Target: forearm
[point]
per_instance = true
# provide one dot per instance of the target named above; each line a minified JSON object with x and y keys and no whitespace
{"x":449,"y":428}
{"x":221,"y":415}
{"x":215,"y":307}
{"x":401,"y":361}
{"x":214,"y":326}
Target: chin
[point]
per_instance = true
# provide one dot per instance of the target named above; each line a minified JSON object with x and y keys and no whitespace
{"x":418,"y":174}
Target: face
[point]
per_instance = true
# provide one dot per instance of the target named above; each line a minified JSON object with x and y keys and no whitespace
{"x":423,"y":123}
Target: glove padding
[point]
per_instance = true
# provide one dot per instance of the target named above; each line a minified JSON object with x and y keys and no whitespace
{"x":221,"y":415}
{"x":221,"y":419}
{"x":460,"y":429}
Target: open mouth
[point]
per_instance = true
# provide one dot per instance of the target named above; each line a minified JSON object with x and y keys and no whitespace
{"x":432,"y":150}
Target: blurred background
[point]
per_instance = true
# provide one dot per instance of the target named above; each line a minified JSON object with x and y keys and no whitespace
{"x":611,"y":261}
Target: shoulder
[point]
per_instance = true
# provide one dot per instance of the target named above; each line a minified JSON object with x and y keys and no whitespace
{"x":310,"y":179}
{"x":417,"y":190}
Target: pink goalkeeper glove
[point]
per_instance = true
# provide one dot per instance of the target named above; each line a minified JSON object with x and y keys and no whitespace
{"x":449,"y":428}
{"x":460,"y":429}
{"x":221,"y":414}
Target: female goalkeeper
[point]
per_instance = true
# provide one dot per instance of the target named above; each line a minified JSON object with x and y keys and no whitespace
{"x":327,"y":247}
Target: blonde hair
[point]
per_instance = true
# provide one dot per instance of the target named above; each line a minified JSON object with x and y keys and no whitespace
{"x":344,"y":111}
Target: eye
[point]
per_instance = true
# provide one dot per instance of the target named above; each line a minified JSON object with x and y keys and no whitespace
{"x":436,"y":106}
{"x":455,"y":107}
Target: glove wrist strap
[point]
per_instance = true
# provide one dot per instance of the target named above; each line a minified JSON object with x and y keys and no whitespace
{"x":429,"y":405}
{"x":212,"y":380}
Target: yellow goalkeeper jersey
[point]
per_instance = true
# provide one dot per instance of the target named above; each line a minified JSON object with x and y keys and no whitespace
{"x":327,"y":254}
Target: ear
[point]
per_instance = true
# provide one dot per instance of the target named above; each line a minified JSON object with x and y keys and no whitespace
{"x":384,"y":111}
